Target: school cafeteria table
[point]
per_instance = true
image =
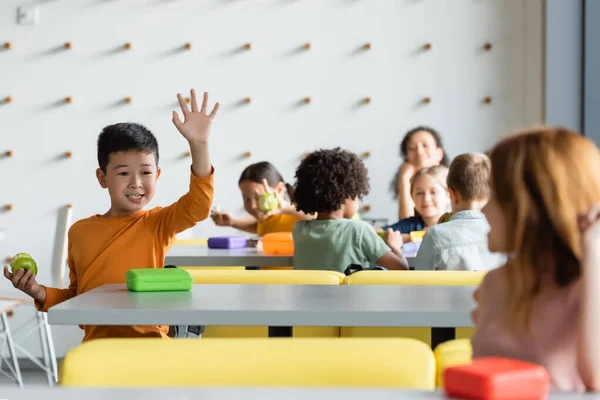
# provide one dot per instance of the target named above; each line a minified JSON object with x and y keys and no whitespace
{"x":202,"y":256}
{"x":272,"y":305}
{"x":239,"y":394}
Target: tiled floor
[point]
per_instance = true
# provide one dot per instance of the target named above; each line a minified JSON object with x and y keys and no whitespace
{"x":31,"y":379}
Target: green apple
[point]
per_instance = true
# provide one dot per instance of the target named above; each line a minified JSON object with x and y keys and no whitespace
{"x":23,"y":260}
{"x":267,"y":202}
{"x":447,"y":217}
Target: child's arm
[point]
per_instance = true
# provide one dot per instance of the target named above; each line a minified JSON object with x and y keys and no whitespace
{"x":588,"y":359}
{"x":195,"y":205}
{"x":246,"y":224}
{"x":196,"y":130}
{"x":26,"y":283}
{"x":394,"y":259}
{"x":44,"y":297}
{"x":405,"y":202}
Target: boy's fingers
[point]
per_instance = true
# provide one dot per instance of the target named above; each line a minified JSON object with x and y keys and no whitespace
{"x":204,"y":103}
{"x":184,"y":107}
{"x":176,"y":121}
{"x":214,"y":112}
{"x":24,"y":279}
{"x":30,"y":282}
{"x":194,"y":102}
{"x":7,"y":273}
{"x":17,"y":277}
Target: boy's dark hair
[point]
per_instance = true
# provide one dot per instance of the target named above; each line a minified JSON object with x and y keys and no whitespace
{"x":469,"y":175}
{"x":326,"y":178}
{"x":265,"y":170}
{"x":404,"y":151}
{"x":125,"y":136}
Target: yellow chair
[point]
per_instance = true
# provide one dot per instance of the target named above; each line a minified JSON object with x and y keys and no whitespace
{"x":387,"y":363}
{"x":202,"y":276}
{"x":412,"y":278}
{"x":448,"y":354}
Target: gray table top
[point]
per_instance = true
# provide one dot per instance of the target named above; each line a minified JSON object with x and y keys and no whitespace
{"x":237,"y":394}
{"x":202,"y":256}
{"x":272,"y":305}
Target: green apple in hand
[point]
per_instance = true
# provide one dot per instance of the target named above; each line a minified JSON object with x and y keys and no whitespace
{"x":267,"y":202}
{"x":23,"y":260}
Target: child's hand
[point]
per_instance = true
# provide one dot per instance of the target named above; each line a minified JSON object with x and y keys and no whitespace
{"x":282,"y":206}
{"x":24,"y":281}
{"x":406,"y":171}
{"x":221,"y":219}
{"x":393,"y":239}
{"x":196,"y":127}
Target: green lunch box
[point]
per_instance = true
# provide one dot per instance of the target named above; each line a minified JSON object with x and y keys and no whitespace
{"x":158,"y":280}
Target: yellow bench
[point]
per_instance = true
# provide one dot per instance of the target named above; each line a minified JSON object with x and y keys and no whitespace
{"x":387,"y":363}
{"x":413,"y":278}
{"x":202,"y":276}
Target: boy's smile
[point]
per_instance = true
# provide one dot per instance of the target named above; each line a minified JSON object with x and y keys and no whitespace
{"x":130,"y":179}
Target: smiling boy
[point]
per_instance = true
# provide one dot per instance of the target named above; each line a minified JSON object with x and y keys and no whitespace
{"x":103,"y":248}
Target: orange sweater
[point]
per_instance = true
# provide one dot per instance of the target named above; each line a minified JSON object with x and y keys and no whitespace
{"x":103,"y":249}
{"x":276,"y":223}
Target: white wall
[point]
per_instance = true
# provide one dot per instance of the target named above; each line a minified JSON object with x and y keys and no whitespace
{"x":456,"y":74}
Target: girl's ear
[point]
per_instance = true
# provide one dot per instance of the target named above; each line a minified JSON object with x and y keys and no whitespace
{"x":281,"y":189}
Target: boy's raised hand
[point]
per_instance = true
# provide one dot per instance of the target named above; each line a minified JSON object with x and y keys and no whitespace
{"x":196,"y":125}
{"x":24,"y":280}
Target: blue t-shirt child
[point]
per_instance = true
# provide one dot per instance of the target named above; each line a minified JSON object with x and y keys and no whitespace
{"x":408,"y":225}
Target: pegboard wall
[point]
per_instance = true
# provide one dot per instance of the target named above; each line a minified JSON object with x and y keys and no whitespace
{"x":292,"y":76}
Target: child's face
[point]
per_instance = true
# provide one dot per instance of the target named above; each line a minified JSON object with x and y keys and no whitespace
{"x":422,"y":150}
{"x":497,"y":239}
{"x":251,"y":191}
{"x":130,"y":179}
{"x":431,"y":198}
